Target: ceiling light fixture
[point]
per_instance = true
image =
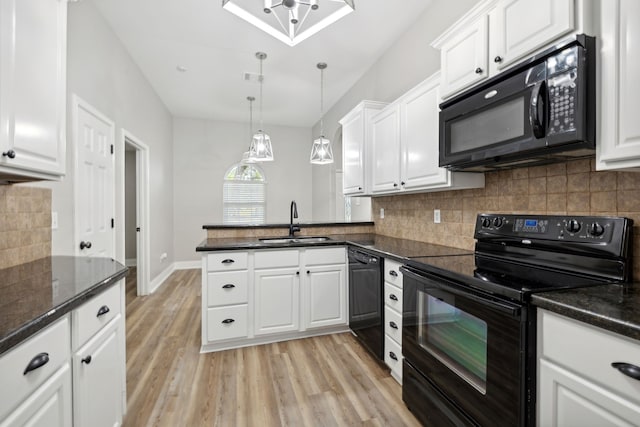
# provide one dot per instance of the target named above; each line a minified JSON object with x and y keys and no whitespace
{"x":247,"y":156}
{"x":321,"y":152}
{"x":290,"y":21}
{"x":260,"y":149}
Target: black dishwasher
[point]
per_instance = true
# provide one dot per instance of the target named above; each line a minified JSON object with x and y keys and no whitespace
{"x":366,"y":300}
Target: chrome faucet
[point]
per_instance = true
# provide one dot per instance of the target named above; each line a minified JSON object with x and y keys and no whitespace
{"x":294,"y":214}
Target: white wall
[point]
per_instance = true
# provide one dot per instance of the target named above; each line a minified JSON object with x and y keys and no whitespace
{"x":406,"y":63}
{"x":205,"y":150}
{"x":102,"y":73}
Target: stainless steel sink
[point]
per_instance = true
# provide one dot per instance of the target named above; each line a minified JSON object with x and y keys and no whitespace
{"x":300,"y":239}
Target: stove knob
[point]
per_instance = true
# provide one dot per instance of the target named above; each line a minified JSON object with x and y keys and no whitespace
{"x":573,"y":226}
{"x":498,"y":222}
{"x":486,"y":222}
{"x":596,"y":229}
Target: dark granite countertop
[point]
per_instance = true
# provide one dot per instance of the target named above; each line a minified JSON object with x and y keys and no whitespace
{"x":400,"y":249}
{"x":612,"y":307}
{"x":35,"y":294}
{"x":305,"y":225}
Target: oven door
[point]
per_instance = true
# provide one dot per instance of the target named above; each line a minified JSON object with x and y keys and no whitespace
{"x":468,"y":346}
{"x":503,"y":121}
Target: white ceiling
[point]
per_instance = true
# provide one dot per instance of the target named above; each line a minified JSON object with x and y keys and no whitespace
{"x":217,"y":48}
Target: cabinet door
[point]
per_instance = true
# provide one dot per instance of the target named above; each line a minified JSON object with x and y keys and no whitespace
{"x":32,"y":86}
{"x":277,"y":301}
{"x":48,"y":406}
{"x":618,"y":144}
{"x":567,"y":399}
{"x":463,"y":58}
{"x":419,"y":137}
{"x":97,"y":376}
{"x":519,"y":27}
{"x":326,"y":292}
{"x":353,"y":154}
{"x":385,"y":144}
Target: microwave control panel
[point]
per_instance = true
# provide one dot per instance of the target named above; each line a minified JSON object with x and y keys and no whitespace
{"x":561,"y":82}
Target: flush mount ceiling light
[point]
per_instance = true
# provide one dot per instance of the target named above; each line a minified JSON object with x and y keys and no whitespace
{"x":290,"y":21}
{"x":260,"y":149}
{"x":321,"y":152}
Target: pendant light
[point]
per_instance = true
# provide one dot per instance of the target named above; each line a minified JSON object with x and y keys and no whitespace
{"x":260,"y":149}
{"x":247,"y":156}
{"x":321,"y":153}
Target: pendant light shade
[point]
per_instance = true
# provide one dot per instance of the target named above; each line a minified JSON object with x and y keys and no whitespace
{"x":321,"y":152}
{"x":260,"y":149}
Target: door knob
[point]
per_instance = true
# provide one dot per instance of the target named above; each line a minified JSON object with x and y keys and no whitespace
{"x":85,"y":245}
{"x":10,"y":154}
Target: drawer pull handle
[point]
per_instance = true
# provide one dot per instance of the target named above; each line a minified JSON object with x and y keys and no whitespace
{"x":103,"y":310}
{"x":228,"y":286}
{"x":393,"y":325}
{"x":393,"y":297}
{"x":228,"y":321}
{"x":228,"y":261}
{"x":393,"y":273}
{"x":393,"y":356}
{"x":628,"y":369}
{"x":38,"y":361}
{"x":86,"y":360}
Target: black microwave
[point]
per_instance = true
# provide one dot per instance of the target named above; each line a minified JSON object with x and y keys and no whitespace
{"x":541,"y":111}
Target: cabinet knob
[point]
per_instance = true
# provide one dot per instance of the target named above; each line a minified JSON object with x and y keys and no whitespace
{"x":393,"y":297}
{"x":402,"y":183}
{"x":393,"y":325}
{"x":497,"y":59}
{"x":395,"y":185}
{"x":38,"y":361}
{"x":393,"y":355}
{"x":103,"y":310}
{"x":10,"y":154}
{"x":86,"y":360}
{"x":478,"y":70}
{"x":393,"y":273}
{"x":84,"y":245}
{"x":359,"y":188}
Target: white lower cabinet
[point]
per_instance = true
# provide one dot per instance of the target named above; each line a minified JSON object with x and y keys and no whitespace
{"x":393,"y":318}
{"x":272,"y":295}
{"x":577,"y":384}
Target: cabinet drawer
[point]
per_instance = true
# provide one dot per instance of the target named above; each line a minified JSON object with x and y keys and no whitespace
{"x":91,"y":316}
{"x":16,"y":385}
{"x":393,"y":325}
{"x":324,"y":256}
{"x":393,"y":297}
{"x":224,"y":323}
{"x":392,"y":272}
{"x":589,"y":352}
{"x":223,"y":261}
{"x":393,"y":356}
{"x":276,"y":259}
{"x":227,"y":288}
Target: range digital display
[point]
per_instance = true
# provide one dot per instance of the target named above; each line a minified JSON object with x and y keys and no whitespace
{"x":530,"y":222}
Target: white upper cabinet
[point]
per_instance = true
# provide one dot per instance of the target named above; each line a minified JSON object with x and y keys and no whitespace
{"x":496,"y":34}
{"x":405,"y":145}
{"x":385,"y":147}
{"x":618,"y":142}
{"x":356,"y":133}
{"x":32,"y":89}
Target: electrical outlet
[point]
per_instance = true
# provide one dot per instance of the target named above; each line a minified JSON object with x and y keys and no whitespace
{"x":436,"y":216}
{"x":381,"y":213}
{"x":163,"y":256}
{"x":54,"y":220}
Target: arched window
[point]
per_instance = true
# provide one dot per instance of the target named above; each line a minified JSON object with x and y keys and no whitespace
{"x":244,"y":195}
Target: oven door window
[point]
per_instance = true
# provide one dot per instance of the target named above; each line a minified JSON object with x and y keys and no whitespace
{"x":456,"y":338}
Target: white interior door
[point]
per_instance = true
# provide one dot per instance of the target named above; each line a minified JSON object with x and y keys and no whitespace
{"x":95,"y":182}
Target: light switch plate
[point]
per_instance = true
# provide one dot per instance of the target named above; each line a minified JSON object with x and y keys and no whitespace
{"x":381,"y":213}
{"x":436,"y":216}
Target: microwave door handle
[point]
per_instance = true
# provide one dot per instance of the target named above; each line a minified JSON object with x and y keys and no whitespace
{"x":537,"y":122}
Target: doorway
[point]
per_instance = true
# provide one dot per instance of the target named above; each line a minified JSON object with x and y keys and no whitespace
{"x":134,"y":202}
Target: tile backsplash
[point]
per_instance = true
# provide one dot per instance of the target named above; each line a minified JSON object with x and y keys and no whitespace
{"x":571,"y":188}
{"x":25,"y":224}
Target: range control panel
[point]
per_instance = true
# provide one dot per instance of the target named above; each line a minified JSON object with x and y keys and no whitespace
{"x":549,"y":227}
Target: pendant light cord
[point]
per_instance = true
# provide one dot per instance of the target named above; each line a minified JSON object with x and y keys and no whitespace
{"x":261,"y":82}
{"x":322,"y":102}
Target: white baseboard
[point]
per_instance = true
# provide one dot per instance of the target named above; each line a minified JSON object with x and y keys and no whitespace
{"x":187,"y":265}
{"x":131,"y":262}
{"x":161,"y":278}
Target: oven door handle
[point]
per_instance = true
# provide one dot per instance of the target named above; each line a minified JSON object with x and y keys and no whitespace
{"x":427,"y":282}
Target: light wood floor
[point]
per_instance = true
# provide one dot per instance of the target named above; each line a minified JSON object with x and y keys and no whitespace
{"x":322,"y":381}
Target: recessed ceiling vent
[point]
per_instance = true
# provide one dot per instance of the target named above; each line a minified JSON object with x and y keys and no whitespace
{"x":251,"y":77}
